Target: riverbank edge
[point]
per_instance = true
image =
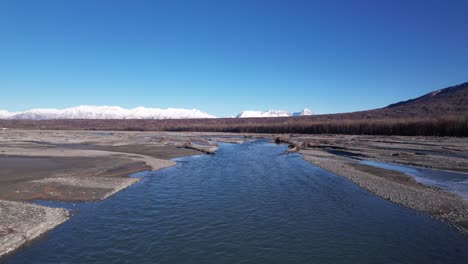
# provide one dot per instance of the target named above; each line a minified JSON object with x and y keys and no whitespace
{"x":13,"y":239}
{"x":55,"y":216}
{"x":440,"y":204}
{"x":18,"y":238}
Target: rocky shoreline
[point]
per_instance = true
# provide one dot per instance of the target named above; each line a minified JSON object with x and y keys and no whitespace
{"x":76,"y":166}
{"x":391,"y":185}
{"x":23,"y":222}
{"x":91,"y":166}
{"x":439,"y":203}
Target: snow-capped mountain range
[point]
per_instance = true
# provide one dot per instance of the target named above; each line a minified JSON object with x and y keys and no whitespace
{"x":273,"y":113}
{"x":116,"y":112}
{"x":106,"y":112}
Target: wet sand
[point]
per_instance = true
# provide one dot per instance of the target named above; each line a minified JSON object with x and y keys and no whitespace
{"x":77,"y":166}
{"x":90,"y":166}
{"x":27,"y":157}
{"x":18,"y":175}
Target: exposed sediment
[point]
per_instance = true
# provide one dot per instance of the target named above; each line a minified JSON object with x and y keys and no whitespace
{"x":23,"y":222}
{"x":394,"y":186}
{"x":74,"y":166}
{"x":89,"y":166}
{"x":69,"y":189}
{"x":207,"y":149}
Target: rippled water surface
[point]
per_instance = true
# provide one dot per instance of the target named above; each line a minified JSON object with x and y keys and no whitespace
{"x":246,"y":204}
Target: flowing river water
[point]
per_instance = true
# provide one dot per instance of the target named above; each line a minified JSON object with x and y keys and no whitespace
{"x":249,"y":203}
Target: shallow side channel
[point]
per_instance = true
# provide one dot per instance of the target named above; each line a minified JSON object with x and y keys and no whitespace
{"x":249,"y":203}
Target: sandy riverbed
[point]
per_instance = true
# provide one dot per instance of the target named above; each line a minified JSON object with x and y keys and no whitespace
{"x":89,"y":166}
{"x":78,"y":166}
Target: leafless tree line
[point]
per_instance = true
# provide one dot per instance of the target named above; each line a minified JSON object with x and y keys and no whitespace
{"x":454,"y":125}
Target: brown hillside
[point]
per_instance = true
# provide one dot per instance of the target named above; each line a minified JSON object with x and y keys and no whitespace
{"x":446,"y":101}
{"x":440,"y":113}
{"x":449,"y":101}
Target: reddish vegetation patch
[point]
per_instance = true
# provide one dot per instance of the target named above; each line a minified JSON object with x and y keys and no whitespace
{"x":29,"y":191}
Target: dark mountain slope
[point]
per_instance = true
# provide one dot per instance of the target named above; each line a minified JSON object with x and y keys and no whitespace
{"x":440,"y":113}
{"x":448,"y":101}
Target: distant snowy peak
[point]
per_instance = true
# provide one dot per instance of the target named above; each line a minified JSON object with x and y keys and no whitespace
{"x":5,"y":114}
{"x":273,"y":113}
{"x":269,"y":113}
{"x":116,"y":112}
{"x":305,"y":112}
{"x":106,"y":112}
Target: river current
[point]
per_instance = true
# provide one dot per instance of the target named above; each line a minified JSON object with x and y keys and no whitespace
{"x":248,"y":203}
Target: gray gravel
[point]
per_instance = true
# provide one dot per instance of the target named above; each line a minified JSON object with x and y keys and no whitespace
{"x":22,"y":222}
{"x":437,"y":202}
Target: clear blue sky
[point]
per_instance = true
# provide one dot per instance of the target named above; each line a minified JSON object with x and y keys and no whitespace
{"x":226,"y":56}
